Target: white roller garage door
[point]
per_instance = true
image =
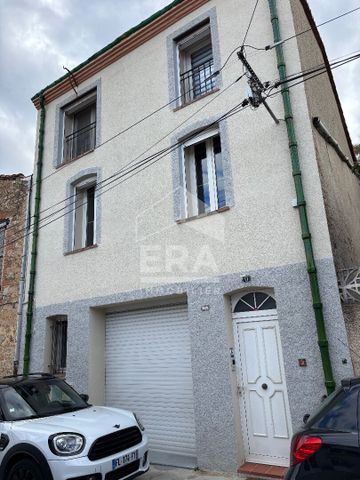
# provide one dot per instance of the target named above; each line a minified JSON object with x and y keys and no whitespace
{"x":148,"y":371}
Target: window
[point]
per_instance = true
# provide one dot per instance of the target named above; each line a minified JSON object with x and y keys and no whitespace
{"x":79,"y":127}
{"x":84,"y":214}
{"x":196,"y":64}
{"x":204,"y":175}
{"x":58,"y":345}
{"x":3,"y":225}
{"x":255,"y":301}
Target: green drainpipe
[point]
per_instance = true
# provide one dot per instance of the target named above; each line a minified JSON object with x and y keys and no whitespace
{"x":301,"y":204}
{"x":34,"y":251}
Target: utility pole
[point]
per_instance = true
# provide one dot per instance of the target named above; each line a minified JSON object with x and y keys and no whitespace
{"x":256,"y":86}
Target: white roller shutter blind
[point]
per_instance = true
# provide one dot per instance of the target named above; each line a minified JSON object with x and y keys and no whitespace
{"x":148,"y":370}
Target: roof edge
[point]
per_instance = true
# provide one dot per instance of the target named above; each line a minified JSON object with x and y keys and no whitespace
{"x":318,"y":38}
{"x":117,"y":40}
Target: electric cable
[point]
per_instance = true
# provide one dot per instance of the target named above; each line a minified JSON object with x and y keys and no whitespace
{"x":105,"y":181}
{"x":270,"y":47}
{"x":145,"y":163}
{"x":155,"y":157}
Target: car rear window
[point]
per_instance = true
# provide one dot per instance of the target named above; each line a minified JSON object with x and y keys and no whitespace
{"x":338,"y":413}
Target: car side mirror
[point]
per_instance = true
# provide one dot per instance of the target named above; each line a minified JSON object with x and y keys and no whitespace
{"x":84,"y":396}
{"x":306,"y":417}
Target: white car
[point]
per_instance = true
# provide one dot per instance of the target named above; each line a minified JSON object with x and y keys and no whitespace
{"x":49,"y":432}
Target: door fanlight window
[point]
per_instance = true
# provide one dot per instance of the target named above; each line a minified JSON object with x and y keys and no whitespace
{"x":255,"y":301}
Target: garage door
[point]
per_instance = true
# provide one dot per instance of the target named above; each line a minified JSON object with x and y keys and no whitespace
{"x":148,"y":371}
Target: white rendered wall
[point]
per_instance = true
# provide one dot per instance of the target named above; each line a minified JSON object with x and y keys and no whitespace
{"x":261,"y":230}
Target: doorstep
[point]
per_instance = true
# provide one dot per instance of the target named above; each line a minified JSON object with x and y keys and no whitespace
{"x":263,"y":471}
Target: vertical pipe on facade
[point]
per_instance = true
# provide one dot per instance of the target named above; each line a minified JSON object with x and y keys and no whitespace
{"x":301,"y":205}
{"x":23,"y":277}
{"x":34,"y":246}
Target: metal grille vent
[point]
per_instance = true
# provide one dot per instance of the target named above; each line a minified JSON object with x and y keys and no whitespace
{"x":349,"y":285}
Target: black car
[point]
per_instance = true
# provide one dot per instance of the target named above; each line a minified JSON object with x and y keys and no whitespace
{"x":327,"y":447}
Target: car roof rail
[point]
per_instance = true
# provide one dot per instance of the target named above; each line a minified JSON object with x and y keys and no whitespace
{"x":349,"y":382}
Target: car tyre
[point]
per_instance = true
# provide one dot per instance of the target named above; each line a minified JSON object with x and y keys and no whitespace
{"x":25,"y":469}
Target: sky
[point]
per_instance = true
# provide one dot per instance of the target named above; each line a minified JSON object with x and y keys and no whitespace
{"x":38,"y":37}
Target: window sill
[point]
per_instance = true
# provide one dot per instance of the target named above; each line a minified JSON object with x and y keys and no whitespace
{"x":67,"y":162}
{"x":90,"y":247}
{"x":202,"y":215}
{"x":184,"y":105}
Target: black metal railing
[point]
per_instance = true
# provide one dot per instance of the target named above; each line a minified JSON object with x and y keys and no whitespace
{"x":197,"y":81}
{"x":80,"y":142}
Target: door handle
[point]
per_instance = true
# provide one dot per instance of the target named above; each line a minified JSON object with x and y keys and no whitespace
{"x":264,"y":386}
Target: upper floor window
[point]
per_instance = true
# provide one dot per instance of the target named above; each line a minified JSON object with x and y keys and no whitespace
{"x":196,"y":64}
{"x":3,"y":225}
{"x":84,"y":214}
{"x":204,"y":175}
{"x":79,"y":127}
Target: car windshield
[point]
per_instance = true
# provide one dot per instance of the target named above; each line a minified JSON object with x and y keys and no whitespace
{"x":40,"y":398}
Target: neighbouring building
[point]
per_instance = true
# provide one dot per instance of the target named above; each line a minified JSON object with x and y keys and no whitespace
{"x":171,"y":275}
{"x":13,"y":209}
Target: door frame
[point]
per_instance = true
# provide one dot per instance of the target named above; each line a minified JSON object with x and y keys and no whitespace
{"x":253,"y":317}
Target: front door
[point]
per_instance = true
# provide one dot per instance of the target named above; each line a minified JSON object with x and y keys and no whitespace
{"x":262,"y":389}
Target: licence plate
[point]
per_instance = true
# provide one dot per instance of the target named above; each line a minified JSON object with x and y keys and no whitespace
{"x":125,"y":459}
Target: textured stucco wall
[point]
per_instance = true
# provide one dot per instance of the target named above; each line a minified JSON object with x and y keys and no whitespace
{"x":219,"y":445}
{"x":352,"y":322}
{"x":341,"y":189}
{"x":13,"y":202}
{"x":139,"y":212}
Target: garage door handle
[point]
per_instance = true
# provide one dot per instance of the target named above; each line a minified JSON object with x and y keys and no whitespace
{"x":264,"y":386}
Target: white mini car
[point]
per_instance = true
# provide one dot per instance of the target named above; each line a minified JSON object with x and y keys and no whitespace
{"x":49,"y":432}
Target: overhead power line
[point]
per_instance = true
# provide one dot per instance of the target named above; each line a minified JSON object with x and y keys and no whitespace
{"x":215,"y":73}
{"x":250,"y":23}
{"x":140,"y":166}
{"x":110,"y":179}
{"x":145,"y":163}
{"x":341,"y":15}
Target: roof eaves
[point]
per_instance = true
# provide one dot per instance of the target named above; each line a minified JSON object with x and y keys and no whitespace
{"x":117,"y":40}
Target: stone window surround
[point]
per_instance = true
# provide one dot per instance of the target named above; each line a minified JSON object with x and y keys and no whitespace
{"x":59,"y":121}
{"x":172,"y":55}
{"x":69,"y":217}
{"x":177,"y":157}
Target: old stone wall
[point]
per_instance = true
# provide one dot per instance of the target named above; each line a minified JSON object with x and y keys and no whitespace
{"x":13,"y":204}
{"x":352,"y":321}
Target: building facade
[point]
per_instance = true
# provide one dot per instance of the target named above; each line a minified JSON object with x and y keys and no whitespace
{"x":13,"y":211}
{"x":174,"y":281}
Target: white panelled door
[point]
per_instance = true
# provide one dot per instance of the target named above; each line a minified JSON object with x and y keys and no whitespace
{"x":148,"y":371}
{"x":263,"y":395}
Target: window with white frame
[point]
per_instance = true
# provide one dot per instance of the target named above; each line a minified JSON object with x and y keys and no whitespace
{"x":204,"y":174}
{"x":3,"y":225}
{"x":84,"y":214}
{"x":79,"y":127}
{"x":58,"y":344}
{"x":196,"y":64}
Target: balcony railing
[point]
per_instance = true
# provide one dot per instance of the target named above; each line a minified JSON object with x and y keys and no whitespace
{"x":80,"y":142}
{"x":349,"y":285}
{"x":197,"y":81}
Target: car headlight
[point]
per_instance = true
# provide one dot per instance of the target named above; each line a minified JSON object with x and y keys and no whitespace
{"x":66,"y":444}
{"x":141,"y":426}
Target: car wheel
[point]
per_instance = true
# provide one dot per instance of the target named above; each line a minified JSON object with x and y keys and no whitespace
{"x":25,"y":469}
